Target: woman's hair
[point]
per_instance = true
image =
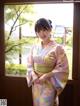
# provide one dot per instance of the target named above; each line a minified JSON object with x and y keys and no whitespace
{"x":43,"y":24}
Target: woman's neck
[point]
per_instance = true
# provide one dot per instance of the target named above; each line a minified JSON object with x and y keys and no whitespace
{"x":45,"y":43}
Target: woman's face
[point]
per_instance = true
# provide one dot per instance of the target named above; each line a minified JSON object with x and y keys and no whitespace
{"x":44,"y":34}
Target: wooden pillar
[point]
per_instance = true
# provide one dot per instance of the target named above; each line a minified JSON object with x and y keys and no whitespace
{"x":2,"y":59}
{"x":76,"y":54}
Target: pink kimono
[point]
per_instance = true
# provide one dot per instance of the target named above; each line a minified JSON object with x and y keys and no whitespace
{"x":43,"y":60}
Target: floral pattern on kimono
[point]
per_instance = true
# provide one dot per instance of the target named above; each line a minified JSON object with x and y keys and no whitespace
{"x":51,"y":58}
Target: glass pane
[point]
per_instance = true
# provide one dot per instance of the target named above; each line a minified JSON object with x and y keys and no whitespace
{"x":20,"y":35}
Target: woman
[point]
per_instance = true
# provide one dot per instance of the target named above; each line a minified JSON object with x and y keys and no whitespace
{"x":47,"y":67}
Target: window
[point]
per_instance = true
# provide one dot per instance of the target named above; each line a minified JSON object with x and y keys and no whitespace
{"x":20,"y":35}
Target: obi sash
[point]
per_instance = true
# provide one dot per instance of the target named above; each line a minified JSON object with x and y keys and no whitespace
{"x":42,"y":68}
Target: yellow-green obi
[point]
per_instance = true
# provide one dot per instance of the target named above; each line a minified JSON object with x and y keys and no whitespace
{"x":42,"y":68}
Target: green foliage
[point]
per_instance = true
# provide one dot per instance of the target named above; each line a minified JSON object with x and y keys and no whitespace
{"x":30,"y":40}
{"x":15,"y":16}
{"x":59,"y":40}
{"x":13,"y":11}
{"x":16,"y":69}
{"x":69,"y":40}
{"x":13,"y":45}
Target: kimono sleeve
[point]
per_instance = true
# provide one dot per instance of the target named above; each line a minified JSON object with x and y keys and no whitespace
{"x":61,"y":70}
{"x":30,"y":69}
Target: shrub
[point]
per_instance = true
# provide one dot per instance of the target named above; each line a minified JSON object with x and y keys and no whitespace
{"x":16,"y":69}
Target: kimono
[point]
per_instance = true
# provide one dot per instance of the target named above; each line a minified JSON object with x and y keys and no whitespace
{"x":53,"y":59}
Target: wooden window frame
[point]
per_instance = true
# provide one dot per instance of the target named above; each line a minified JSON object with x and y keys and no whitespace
{"x":76,"y":33}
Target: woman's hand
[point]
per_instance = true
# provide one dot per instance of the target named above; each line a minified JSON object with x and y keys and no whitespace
{"x":34,"y":76}
{"x":45,"y":76}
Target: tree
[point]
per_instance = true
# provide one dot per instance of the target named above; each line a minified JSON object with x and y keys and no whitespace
{"x":17,"y":14}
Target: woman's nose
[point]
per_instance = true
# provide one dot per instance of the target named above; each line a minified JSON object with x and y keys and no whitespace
{"x":41,"y":32}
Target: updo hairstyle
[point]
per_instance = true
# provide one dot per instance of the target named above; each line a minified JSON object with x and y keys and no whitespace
{"x":43,"y":24}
